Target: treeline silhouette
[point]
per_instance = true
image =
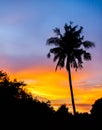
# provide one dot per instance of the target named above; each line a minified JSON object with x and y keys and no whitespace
{"x":19,"y":110}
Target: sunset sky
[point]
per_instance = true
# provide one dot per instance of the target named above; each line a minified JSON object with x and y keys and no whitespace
{"x":25,"y":25}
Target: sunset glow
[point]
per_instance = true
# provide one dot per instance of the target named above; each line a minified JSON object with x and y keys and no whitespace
{"x":46,"y":84}
{"x":25,"y":25}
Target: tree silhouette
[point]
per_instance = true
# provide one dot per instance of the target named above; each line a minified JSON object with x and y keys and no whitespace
{"x":70,"y":50}
{"x":96,"y":109}
{"x":96,"y":113}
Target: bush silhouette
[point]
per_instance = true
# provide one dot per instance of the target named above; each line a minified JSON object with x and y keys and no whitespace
{"x":96,"y":113}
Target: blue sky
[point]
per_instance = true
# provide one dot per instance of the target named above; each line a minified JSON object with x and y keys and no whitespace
{"x":25,"y":25}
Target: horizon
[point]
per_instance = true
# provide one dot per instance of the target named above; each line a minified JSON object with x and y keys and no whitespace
{"x":24,"y":28}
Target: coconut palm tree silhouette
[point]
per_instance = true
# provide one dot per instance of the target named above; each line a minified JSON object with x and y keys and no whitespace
{"x":69,"y":51}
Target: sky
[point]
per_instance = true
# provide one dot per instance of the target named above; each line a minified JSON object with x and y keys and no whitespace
{"x":25,"y":26}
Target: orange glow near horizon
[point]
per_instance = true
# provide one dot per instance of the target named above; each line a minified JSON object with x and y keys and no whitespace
{"x":46,"y":84}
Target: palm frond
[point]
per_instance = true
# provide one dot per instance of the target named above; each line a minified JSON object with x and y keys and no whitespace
{"x":66,"y":27}
{"x":87,"y":56}
{"x":71,"y":22}
{"x":56,"y":50}
{"x":80,"y":65}
{"x":78,"y":32}
{"x":56,"y":56}
{"x":73,"y":29}
{"x":78,"y":52}
{"x":57,"y":31}
{"x":60,"y":62}
{"x":53,"y":41}
{"x":48,"y":55}
{"x":88,"y":44}
{"x":74,"y":65}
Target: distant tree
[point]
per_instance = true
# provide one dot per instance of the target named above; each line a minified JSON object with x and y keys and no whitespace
{"x":96,"y":109}
{"x":96,"y":114}
{"x":70,"y":50}
{"x":63,"y":112}
{"x":63,"y":109}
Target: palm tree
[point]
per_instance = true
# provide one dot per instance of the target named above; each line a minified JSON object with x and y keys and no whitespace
{"x":69,"y":51}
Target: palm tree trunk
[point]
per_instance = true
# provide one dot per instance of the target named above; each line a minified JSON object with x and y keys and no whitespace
{"x":71,"y":89}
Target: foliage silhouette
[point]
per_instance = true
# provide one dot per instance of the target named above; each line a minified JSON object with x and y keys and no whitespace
{"x":97,"y":108}
{"x":18,"y":107}
{"x":96,"y":113}
{"x":70,"y":51}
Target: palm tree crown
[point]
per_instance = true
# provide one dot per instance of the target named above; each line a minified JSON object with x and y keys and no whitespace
{"x":70,"y":47}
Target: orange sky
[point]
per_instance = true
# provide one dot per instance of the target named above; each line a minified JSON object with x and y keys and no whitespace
{"x":46,"y":84}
